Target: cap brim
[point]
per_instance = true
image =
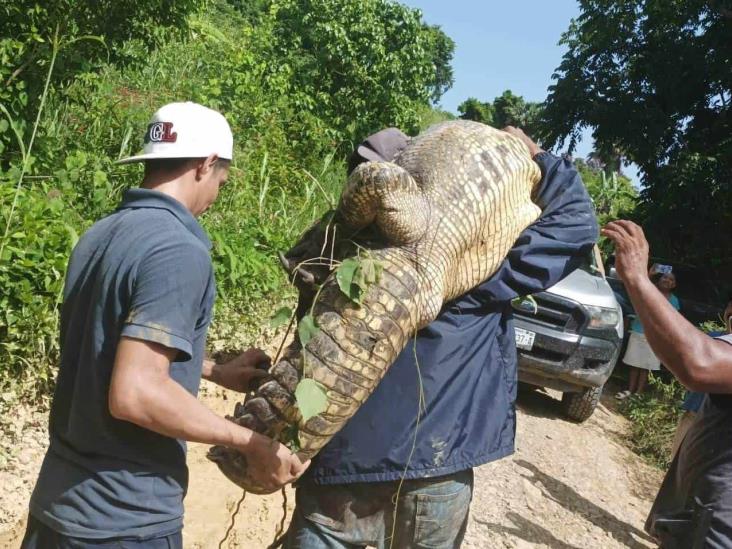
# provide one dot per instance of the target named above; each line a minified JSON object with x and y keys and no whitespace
{"x":138,"y":158}
{"x":157,"y":156}
{"x":367,"y":153}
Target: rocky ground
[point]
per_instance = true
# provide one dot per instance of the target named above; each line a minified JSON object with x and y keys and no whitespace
{"x":567,"y":486}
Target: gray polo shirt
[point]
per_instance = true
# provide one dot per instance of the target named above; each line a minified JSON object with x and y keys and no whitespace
{"x":143,"y":272}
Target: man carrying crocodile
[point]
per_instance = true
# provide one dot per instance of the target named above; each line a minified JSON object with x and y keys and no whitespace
{"x":399,"y":474}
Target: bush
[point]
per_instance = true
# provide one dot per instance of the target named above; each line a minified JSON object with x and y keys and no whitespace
{"x":85,"y":33}
{"x":290,"y":145}
{"x":654,"y":416}
{"x":32,"y":267}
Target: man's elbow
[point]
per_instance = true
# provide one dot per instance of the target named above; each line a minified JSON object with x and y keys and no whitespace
{"x":119,"y":407}
{"x":125,"y":405}
{"x":699,"y":375}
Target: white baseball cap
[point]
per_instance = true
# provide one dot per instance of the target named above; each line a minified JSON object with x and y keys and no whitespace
{"x":185,"y":130}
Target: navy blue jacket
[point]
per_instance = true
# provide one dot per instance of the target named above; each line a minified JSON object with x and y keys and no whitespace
{"x":466,"y":359}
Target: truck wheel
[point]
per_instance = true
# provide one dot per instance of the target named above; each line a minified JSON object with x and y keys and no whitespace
{"x":579,"y":406}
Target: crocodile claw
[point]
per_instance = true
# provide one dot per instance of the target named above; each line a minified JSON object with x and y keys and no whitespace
{"x":234,"y":466}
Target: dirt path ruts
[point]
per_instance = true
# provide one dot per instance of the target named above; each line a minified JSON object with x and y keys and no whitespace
{"x":567,"y":486}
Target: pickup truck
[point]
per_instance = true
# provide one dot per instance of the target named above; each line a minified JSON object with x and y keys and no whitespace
{"x":569,"y":337}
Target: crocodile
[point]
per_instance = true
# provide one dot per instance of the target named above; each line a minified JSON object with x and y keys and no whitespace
{"x":434,"y":223}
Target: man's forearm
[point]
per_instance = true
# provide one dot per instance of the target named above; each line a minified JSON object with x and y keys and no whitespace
{"x":698,"y":361}
{"x":678,"y":344}
{"x":164,"y":406}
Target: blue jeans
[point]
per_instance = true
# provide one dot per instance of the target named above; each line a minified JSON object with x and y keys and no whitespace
{"x":40,"y":536}
{"x":431,"y":513}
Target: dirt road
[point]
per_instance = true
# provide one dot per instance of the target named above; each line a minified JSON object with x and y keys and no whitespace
{"x":567,"y":486}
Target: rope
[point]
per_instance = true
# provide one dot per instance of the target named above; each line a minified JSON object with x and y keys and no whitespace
{"x":280,"y":535}
{"x":233,"y":518}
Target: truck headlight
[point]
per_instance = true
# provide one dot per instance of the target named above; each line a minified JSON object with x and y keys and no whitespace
{"x":601,"y":317}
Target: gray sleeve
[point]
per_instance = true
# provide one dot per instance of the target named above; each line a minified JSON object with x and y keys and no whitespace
{"x":167,"y":297}
{"x":726,"y":338}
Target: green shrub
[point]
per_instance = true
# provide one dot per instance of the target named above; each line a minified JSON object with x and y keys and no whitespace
{"x":32,"y":268}
{"x":87,"y":33}
{"x":654,"y":416}
{"x":291,"y":140}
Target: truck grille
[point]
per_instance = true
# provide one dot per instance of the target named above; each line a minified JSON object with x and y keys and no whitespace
{"x":552,"y":311}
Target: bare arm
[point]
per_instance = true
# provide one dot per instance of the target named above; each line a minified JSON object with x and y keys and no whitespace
{"x":142,"y":392}
{"x":698,"y":361}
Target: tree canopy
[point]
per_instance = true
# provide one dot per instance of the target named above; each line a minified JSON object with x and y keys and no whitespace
{"x":653,"y":80}
{"x":508,"y":109}
{"x":298,"y":80}
{"x":363,"y":65}
{"x":85,"y":33}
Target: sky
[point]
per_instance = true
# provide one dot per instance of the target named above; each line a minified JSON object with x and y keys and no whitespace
{"x":502,"y":45}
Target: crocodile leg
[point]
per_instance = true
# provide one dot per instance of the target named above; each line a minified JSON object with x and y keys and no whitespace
{"x":385,"y":194}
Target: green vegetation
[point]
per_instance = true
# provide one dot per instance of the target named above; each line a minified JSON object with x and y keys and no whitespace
{"x":653,"y":81}
{"x":507,"y":109}
{"x":299,"y":80}
{"x":613,"y":195}
{"x":654,"y":416}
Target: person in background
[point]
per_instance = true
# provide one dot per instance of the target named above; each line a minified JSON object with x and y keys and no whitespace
{"x":692,"y":400}
{"x":639,"y":356}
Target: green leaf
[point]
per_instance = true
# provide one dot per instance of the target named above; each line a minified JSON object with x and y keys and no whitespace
{"x":100,"y":178}
{"x":311,"y":398}
{"x":370,"y":273}
{"x":73,"y":235}
{"x":345,"y":275}
{"x":355,"y":275}
{"x":307,"y":329}
{"x":517,"y":301}
{"x":281,"y":316}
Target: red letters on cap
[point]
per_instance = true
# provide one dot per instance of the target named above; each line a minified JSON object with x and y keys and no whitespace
{"x":160,"y":132}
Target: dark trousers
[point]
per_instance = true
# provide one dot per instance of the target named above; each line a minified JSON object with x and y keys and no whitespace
{"x":430,"y":513}
{"x":40,"y":536}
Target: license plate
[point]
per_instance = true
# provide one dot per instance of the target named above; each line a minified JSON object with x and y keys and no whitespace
{"x":524,"y":339}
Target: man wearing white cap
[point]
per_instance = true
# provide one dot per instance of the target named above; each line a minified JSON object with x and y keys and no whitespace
{"x":137,"y":303}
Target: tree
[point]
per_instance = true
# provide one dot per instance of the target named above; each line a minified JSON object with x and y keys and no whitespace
{"x":441,"y":48}
{"x":514,"y":110}
{"x":472,"y":109}
{"x":360,"y":65}
{"x":612,"y":194}
{"x":653,"y":81}
{"x":252,"y":10}
{"x":85,"y":32}
{"x":507,"y":109}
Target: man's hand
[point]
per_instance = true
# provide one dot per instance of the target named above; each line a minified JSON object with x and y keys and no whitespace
{"x":238,"y":373}
{"x":270,"y":464}
{"x":631,"y":250}
{"x":534,"y":149}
